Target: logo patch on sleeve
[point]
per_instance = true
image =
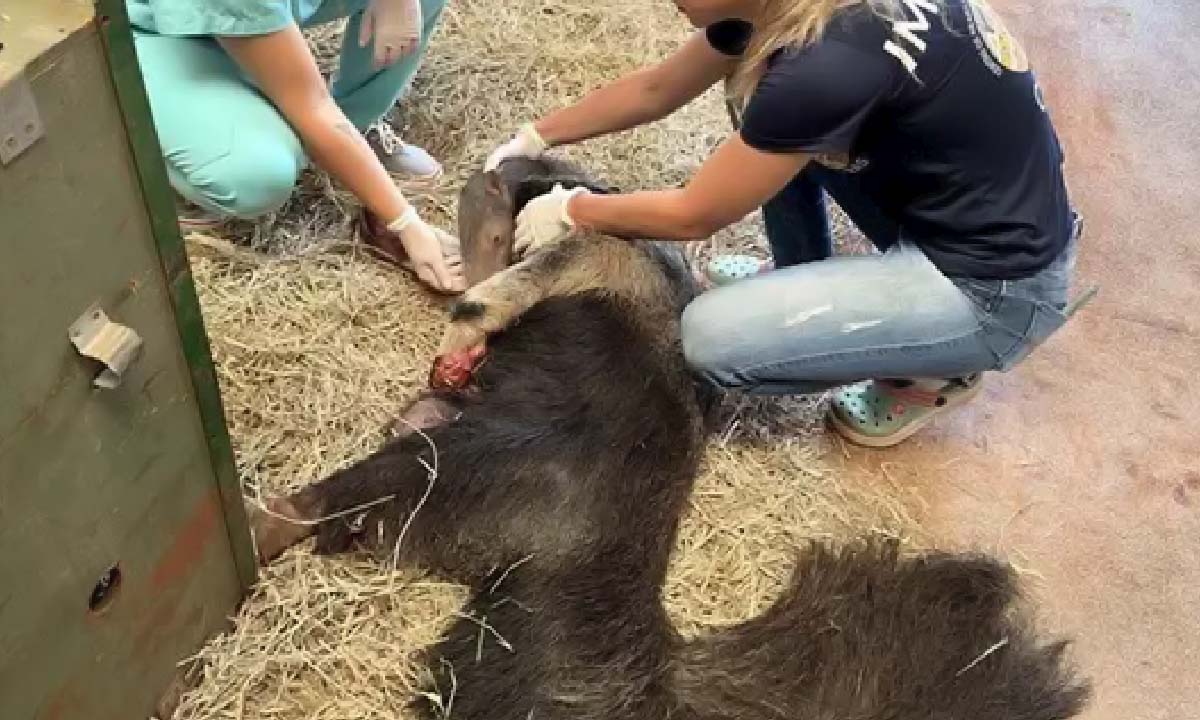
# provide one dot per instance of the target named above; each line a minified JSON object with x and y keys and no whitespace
{"x":999,"y":48}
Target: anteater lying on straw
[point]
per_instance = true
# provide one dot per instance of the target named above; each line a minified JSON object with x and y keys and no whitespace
{"x":581,"y":425}
{"x":554,"y":482}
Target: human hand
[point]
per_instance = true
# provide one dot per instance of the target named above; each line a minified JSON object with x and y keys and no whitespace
{"x":545,"y":220}
{"x":433,"y":254}
{"x":395,"y":26}
{"x":526,"y":143}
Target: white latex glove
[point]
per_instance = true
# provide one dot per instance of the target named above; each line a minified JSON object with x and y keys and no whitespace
{"x":526,"y":143}
{"x":395,"y":26}
{"x":545,"y":221}
{"x":434,"y":255}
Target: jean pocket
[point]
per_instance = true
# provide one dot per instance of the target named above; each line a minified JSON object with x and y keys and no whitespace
{"x":1016,"y":326}
{"x":983,"y":294}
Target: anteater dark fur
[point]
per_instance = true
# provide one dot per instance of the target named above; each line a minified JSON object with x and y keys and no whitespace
{"x":859,"y":632}
{"x":562,"y":474}
{"x":582,"y":424}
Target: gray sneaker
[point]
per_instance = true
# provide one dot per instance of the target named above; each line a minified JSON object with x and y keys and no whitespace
{"x":399,"y":157}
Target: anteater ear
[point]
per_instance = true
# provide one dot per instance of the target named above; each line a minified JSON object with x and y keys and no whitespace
{"x":494,"y":184}
{"x":536,"y":185}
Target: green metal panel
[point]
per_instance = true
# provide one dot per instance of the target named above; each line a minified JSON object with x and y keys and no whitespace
{"x":139,"y":477}
{"x":152,"y":176}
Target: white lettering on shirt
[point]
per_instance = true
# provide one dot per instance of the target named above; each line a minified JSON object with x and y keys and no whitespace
{"x":907,"y":30}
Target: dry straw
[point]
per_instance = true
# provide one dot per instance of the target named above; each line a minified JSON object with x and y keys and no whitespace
{"x":319,"y":345}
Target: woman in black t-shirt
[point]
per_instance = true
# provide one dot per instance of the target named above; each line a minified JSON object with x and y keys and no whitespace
{"x":922,"y":119}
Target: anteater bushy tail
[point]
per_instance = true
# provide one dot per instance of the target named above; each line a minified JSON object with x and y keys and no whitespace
{"x":862,"y":631}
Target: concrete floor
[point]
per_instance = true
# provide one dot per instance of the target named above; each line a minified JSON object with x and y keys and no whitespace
{"x":1084,"y":463}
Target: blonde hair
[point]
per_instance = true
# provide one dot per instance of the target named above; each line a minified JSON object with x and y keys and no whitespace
{"x":793,"y":23}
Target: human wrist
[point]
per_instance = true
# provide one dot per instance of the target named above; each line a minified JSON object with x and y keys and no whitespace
{"x":405,"y":222}
{"x":541,"y":135}
{"x":572,"y":211}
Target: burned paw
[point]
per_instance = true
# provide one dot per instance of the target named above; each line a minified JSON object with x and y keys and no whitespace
{"x":373,"y":231}
{"x":276,"y":526}
{"x":341,"y":535}
{"x":454,"y":370}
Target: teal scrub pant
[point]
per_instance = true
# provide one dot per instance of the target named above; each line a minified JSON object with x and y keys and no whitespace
{"x":227,"y":148}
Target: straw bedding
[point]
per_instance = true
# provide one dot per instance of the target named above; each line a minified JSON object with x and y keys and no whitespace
{"x":319,"y":345}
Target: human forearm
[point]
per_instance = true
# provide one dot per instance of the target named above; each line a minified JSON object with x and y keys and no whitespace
{"x":286,"y":72}
{"x":284,"y":69}
{"x":640,"y":97}
{"x":629,"y":102}
{"x":731,"y":184}
{"x":659,"y":214}
{"x":339,"y":149}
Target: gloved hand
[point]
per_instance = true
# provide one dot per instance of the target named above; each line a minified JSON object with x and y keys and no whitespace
{"x":545,"y":220}
{"x":526,"y":143}
{"x":395,"y":25}
{"x":434,"y":255}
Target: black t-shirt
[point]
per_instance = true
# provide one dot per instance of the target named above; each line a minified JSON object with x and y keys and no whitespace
{"x":942,"y":117}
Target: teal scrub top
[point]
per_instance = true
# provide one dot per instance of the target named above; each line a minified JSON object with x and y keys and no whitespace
{"x":218,"y":17}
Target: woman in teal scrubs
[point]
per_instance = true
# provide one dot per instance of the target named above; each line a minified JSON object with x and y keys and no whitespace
{"x":240,"y":107}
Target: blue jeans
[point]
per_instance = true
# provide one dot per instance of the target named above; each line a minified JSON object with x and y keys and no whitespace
{"x":818,"y":321}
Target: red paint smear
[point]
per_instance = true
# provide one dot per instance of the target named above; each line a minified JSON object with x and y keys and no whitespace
{"x":183,"y":555}
{"x":154,"y":628}
{"x":59,"y":703}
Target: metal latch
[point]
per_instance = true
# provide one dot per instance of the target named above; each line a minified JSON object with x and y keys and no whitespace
{"x":20,"y":123}
{"x":113,"y":344}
